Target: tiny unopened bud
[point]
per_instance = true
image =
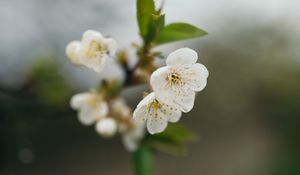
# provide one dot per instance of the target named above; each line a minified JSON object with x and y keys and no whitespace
{"x":106,"y":127}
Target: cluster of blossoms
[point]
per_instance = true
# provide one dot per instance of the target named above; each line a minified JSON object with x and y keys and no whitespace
{"x":174,"y":87}
{"x":110,"y":115}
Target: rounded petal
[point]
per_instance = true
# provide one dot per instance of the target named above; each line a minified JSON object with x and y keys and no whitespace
{"x":159,"y":77}
{"x":97,"y":64}
{"x":173,"y":113}
{"x":186,"y":102}
{"x":106,"y":127}
{"x":139,"y":114}
{"x":72,"y":50}
{"x":182,"y":57}
{"x":184,"y":99}
{"x":146,"y":100}
{"x":157,"y":124}
{"x":111,"y":45}
{"x":196,"y":77}
{"x":80,"y":100}
{"x":90,"y":35}
{"x":86,"y":117}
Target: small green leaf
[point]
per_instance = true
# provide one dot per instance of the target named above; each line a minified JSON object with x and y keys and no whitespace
{"x":145,"y":8}
{"x":178,"y":31}
{"x":172,"y":140}
{"x":179,"y":132}
{"x":169,"y":146}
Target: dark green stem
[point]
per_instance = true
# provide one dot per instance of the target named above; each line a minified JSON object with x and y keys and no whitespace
{"x":143,"y":161}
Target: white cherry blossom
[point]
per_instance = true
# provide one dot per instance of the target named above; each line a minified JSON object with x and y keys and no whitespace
{"x":155,"y":113}
{"x":177,"y":82}
{"x":92,"y":50}
{"x":91,"y":107}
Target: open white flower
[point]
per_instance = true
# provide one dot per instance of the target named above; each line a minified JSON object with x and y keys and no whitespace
{"x":132,"y":136}
{"x":177,"y":82}
{"x":92,"y":50}
{"x":91,"y":107}
{"x":155,"y":113}
{"x":107,"y":127}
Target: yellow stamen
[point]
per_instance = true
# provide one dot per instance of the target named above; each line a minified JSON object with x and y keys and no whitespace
{"x":95,"y":49}
{"x":174,"y":78}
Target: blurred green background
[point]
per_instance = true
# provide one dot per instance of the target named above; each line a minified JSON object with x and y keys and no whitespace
{"x":248,"y":116}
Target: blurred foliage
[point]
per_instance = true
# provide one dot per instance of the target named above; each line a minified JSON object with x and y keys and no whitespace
{"x":39,"y":101}
{"x":259,"y":74}
{"x":48,"y":84}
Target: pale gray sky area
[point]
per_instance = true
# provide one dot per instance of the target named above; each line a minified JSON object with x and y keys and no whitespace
{"x":33,"y":28}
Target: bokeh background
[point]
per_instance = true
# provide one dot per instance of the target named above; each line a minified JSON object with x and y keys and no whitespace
{"x":248,"y":117}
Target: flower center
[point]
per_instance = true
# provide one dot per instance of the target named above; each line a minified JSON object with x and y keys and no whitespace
{"x":174,"y":78}
{"x":156,"y":104}
{"x":95,"y":49}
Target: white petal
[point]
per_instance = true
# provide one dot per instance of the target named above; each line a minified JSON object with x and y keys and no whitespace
{"x":201,"y":69}
{"x":186,"y":102}
{"x":80,"y":100}
{"x":112,"y":46}
{"x":106,"y":127}
{"x":146,"y":100}
{"x":96,"y":64}
{"x":159,"y":77}
{"x":157,"y":121}
{"x":139,"y":114}
{"x":184,"y":99}
{"x":196,"y":77}
{"x":182,"y":57}
{"x":172,"y":112}
{"x":72,"y":50}
{"x":86,"y":117}
{"x":90,"y":35}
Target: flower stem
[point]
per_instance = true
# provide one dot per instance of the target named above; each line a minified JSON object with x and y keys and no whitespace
{"x":143,"y":161}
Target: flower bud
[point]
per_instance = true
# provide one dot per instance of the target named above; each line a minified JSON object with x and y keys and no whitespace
{"x":106,"y":127}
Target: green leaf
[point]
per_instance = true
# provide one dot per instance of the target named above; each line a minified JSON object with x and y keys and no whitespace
{"x":178,"y":132}
{"x":156,"y":24}
{"x":172,"y":140}
{"x":145,"y":8}
{"x":178,"y":31}
{"x":143,"y":161}
{"x":169,"y":146}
